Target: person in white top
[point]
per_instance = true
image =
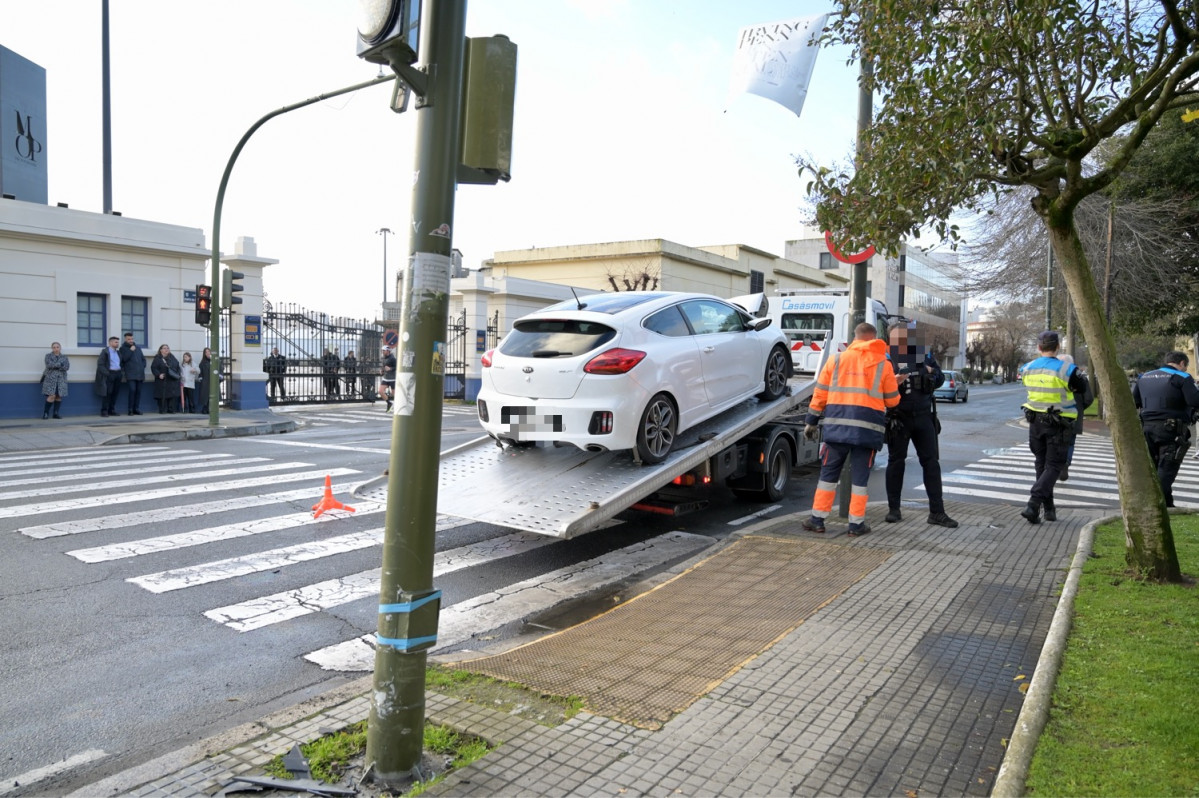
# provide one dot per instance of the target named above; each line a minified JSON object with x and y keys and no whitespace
{"x":188,"y":372}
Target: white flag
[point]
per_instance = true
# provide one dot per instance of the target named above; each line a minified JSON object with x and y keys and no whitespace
{"x":775,"y":60}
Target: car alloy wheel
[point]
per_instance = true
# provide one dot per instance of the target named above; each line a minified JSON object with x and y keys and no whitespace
{"x":655,"y":436}
{"x":776,"y":375}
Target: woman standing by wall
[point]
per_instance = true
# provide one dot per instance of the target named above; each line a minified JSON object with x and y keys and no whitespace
{"x":166,"y":371}
{"x":54,"y":379}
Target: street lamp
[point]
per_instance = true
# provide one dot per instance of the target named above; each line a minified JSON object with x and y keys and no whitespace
{"x":385,"y":232}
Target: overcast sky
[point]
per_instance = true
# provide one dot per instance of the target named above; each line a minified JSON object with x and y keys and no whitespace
{"x":623,"y":130}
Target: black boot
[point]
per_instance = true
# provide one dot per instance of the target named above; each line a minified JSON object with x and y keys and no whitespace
{"x":56,"y":404}
{"x":1032,"y":513}
{"x":1050,"y":511}
{"x":46,"y":410}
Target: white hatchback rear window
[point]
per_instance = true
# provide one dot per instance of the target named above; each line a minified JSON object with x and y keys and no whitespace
{"x":555,"y":338}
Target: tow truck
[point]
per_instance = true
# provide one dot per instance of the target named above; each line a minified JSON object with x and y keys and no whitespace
{"x":563,"y":492}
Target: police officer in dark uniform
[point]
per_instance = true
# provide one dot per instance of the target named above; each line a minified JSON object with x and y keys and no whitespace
{"x":1050,"y":410}
{"x":914,"y":419}
{"x":1168,"y":400}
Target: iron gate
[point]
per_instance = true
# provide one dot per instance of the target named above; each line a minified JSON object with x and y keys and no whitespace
{"x":326,"y":358}
{"x":454,"y":384}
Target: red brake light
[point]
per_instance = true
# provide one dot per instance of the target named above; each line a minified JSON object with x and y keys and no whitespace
{"x":486,"y":360}
{"x":614,"y":361}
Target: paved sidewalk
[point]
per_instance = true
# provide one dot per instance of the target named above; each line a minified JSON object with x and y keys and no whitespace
{"x":34,"y":434}
{"x":907,"y":683}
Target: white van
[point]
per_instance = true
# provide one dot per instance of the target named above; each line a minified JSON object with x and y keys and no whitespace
{"x":815,"y":322}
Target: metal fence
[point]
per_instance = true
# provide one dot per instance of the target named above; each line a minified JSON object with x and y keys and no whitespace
{"x":326,"y":358}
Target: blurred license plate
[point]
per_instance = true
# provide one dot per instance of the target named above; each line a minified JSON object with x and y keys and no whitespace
{"x":527,"y":419}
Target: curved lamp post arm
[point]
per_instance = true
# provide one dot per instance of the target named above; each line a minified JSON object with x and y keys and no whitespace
{"x":214,"y":324}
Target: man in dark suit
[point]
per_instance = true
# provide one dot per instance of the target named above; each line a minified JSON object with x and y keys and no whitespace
{"x":133,"y":366}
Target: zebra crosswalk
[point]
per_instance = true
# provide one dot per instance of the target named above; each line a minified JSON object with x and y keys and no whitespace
{"x":1007,"y":475}
{"x":353,"y":414}
{"x":223,"y":518}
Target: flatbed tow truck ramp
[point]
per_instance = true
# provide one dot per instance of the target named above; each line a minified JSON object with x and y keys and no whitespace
{"x":564,"y":491}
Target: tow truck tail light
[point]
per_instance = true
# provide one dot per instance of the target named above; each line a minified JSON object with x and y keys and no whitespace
{"x":614,"y":361}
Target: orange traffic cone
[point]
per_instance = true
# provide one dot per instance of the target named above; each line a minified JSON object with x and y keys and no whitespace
{"x":327,"y":502}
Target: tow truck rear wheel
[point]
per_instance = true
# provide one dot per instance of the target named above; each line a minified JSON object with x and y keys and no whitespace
{"x":778,"y":473}
{"x":777,"y":372}
{"x":655,"y":435}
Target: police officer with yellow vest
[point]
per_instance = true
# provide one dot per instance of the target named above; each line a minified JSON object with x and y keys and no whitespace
{"x":1168,"y":400}
{"x":1051,"y":384}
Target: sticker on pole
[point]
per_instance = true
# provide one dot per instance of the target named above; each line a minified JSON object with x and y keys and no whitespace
{"x":405,"y":398}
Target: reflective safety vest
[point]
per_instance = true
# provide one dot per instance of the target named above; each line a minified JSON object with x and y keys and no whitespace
{"x":853,"y":393}
{"x":1048,"y":382}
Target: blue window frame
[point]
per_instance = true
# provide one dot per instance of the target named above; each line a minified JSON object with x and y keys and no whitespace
{"x":90,"y":319}
{"x":135,"y":317}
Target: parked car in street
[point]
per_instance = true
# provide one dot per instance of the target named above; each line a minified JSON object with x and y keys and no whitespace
{"x":627,"y":370}
{"x":954,"y":389}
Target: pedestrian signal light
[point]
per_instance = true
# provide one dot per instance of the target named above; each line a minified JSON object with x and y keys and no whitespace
{"x":203,"y":305}
{"x":229,"y":289}
{"x":388,"y":30}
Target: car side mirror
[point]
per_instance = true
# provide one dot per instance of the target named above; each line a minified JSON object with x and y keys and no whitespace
{"x":760,"y":324}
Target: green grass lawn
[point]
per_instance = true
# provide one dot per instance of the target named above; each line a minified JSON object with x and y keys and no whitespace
{"x":1125,"y":714}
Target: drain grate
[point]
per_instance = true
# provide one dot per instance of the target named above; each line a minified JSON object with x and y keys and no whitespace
{"x":652,"y":657}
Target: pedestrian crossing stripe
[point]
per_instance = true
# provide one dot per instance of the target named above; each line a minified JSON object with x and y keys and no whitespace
{"x":1008,"y":475}
{"x":174,"y":493}
{"x":260,"y":612}
{"x":214,"y":534}
{"x":71,"y":456}
{"x":459,"y":622}
{"x":160,"y":464}
{"x":159,"y":515}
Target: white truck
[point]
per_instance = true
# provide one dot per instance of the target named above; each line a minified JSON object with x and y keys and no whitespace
{"x":562,"y":492}
{"x":814,"y":322}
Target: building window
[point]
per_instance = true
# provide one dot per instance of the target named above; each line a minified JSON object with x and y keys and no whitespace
{"x":90,"y":319}
{"x":826,"y":260}
{"x":135,"y":315}
{"x":757,"y":282}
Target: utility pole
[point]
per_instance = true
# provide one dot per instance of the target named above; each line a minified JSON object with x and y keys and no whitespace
{"x":385,"y":232}
{"x":408,"y":604}
{"x":860,"y":270}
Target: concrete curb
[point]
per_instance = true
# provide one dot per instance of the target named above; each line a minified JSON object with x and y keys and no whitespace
{"x":1009,"y":783}
{"x":204,"y":433}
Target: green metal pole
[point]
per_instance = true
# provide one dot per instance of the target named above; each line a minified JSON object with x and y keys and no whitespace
{"x":857,"y":282}
{"x":408,"y":604}
{"x":214,"y":324}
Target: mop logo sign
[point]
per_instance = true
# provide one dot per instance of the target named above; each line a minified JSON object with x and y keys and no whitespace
{"x":28,"y":146}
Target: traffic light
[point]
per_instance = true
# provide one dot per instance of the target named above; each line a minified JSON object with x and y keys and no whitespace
{"x":203,"y":305}
{"x":388,"y":30}
{"x":229,"y":288}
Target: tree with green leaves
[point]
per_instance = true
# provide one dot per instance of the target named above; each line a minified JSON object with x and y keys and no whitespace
{"x":992,"y":95}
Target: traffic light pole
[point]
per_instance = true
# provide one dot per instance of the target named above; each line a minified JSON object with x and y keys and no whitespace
{"x":859,"y":271}
{"x":214,"y":323}
{"x":408,"y":604}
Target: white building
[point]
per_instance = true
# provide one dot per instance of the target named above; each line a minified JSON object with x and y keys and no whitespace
{"x":78,"y":277}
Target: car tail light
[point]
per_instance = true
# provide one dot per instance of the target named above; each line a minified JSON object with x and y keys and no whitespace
{"x":486,"y":359}
{"x":483,"y":416}
{"x":601,"y":423}
{"x":614,"y":361}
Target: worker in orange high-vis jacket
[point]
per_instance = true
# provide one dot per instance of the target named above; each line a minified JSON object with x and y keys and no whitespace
{"x":850,"y":403}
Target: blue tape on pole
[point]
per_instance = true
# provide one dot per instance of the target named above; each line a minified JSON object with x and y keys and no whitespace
{"x":406,"y":643}
{"x":408,"y":606}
